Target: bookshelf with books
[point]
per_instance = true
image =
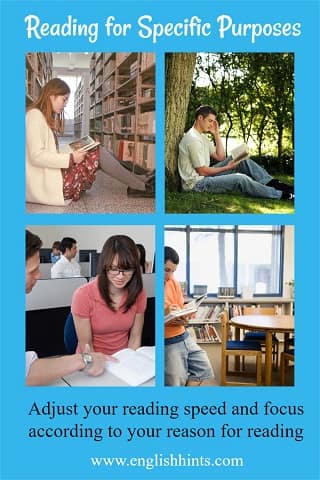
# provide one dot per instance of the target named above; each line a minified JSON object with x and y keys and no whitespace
{"x":205,"y":326}
{"x":122,"y":105}
{"x":82,"y":107}
{"x":38,"y":73}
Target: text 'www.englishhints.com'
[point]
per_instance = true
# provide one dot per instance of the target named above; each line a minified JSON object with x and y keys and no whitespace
{"x":159,"y":460}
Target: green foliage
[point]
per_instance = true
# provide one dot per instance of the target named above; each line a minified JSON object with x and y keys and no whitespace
{"x":253,"y":94}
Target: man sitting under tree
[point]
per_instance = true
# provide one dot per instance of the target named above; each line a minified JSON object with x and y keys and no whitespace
{"x":196,"y":152}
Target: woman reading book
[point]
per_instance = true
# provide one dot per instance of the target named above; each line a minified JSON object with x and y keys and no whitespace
{"x":108,"y":312}
{"x":54,"y":177}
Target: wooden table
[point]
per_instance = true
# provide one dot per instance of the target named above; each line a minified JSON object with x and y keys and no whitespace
{"x":268,"y":324}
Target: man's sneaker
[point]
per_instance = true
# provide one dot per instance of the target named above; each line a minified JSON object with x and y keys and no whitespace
{"x":148,"y":193}
{"x":287,"y":196}
{"x":275,"y":183}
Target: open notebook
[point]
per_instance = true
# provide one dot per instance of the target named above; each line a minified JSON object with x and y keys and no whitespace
{"x":135,"y":367}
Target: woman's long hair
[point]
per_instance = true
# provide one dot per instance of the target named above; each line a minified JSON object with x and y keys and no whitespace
{"x":55,"y":87}
{"x":128,"y":259}
{"x":142,"y":252}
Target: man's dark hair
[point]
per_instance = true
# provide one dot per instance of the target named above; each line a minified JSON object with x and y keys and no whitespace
{"x":171,"y":255}
{"x":33,"y":244}
{"x":205,"y":110}
{"x":65,"y":243}
{"x":56,"y":245}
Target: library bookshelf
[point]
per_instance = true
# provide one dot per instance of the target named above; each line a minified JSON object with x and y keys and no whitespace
{"x":122,"y":105}
{"x":38,"y":73}
{"x":205,"y":326}
{"x":82,"y":106}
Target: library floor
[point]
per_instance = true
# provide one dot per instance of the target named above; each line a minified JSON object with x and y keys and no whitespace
{"x":106,"y":196}
{"x":214,"y":353}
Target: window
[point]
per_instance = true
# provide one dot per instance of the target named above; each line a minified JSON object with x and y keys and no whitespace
{"x":212,"y":262}
{"x":229,"y":256}
{"x":260,"y":261}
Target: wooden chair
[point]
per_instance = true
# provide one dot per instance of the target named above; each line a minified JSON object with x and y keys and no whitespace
{"x":285,"y":358}
{"x":261,"y":336}
{"x":237,"y":348}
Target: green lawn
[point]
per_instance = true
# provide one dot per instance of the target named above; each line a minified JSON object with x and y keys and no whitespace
{"x":192,"y":202}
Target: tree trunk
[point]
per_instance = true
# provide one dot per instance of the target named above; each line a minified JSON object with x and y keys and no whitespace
{"x":179,"y":74}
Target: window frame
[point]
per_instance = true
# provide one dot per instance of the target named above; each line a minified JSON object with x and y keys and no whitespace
{"x":236,"y":230}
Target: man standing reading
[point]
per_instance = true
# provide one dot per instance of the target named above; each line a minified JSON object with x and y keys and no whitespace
{"x":186,"y":364}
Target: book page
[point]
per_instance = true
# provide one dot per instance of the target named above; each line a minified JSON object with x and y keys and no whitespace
{"x":149,"y":352}
{"x":189,"y":308}
{"x":240,"y":153}
{"x":84,"y":143}
{"x":133,"y":367}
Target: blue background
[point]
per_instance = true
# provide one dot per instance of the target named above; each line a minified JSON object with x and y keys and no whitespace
{"x":23,"y":458}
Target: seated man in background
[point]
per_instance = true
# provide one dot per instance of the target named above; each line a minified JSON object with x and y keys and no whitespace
{"x":55,"y":253}
{"x":198,"y":174}
{"x":46,"y":370}
{"x":185,"y":362}
{"x":67,"y":266}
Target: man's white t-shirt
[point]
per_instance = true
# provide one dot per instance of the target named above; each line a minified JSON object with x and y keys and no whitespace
{"x":30,"y":358}
{"x":65,"y":269}
{"x":195,"y":150}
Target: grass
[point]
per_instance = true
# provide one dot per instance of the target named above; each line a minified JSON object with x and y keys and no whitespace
{"x":193,"y":202}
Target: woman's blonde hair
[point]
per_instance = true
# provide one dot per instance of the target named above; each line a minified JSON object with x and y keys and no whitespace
{"x":55,"y":87}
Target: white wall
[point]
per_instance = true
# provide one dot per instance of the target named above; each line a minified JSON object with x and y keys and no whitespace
{"x":288,"y":263}
{"x":94,"y":236}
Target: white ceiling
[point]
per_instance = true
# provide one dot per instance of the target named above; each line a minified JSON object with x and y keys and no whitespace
{"x":71,"y":61}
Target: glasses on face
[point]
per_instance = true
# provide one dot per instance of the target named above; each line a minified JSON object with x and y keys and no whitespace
{"x":114,"y":272}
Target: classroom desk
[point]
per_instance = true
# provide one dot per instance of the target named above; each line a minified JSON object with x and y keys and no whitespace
{"x":265,"y":323}
{"x":106,"y":380}
{"x":80,"y":379}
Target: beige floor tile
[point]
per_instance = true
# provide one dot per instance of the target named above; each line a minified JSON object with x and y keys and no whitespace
{"x":106,"y":196}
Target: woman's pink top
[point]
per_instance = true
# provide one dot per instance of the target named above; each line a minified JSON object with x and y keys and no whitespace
{"x":110,"y":330}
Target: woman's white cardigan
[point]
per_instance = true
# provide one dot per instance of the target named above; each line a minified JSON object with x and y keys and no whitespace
{"x":43,"y":162}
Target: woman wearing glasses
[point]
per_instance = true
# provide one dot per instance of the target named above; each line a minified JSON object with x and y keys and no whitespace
{"x":108,"y":312}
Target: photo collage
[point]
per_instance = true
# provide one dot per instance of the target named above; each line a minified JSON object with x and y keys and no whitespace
{"x":225,"y":275}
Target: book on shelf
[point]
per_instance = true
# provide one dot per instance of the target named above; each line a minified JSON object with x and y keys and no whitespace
{"x":205,"y":333}
{"x":239,"y":153}
{"x":126,"y":150}
{"x":188,"y":309}
{"x":135,"y":366}
{"x":84,"y":144}
{"x":208,"y":313}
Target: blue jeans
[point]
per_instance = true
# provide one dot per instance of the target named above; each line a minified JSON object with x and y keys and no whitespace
{"x":185,"y":360}
{"x":248,"y":177}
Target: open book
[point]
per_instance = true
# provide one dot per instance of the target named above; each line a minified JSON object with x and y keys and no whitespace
{"x":239,"y":153}
{"x":84,"y":144}
{"x":188,"y":309}
{"x":135,"y":366}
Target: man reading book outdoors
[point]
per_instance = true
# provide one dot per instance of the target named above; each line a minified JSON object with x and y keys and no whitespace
{"x":185,"y":362}
{"x":198,"y":174}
